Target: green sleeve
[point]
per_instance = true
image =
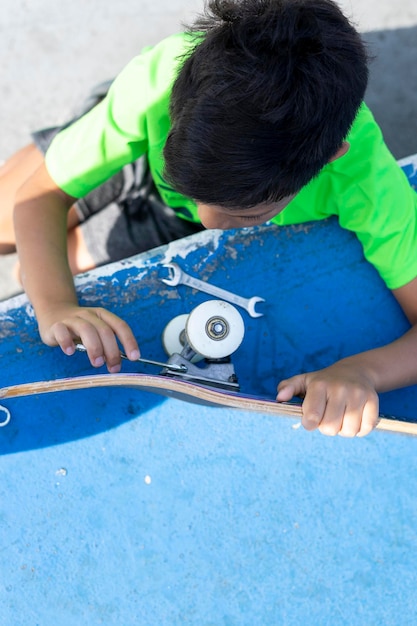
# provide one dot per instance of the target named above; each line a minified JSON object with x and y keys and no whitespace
{"x":133,"y":116}
{"x":381,"y":207}
{"x":372,"y":197}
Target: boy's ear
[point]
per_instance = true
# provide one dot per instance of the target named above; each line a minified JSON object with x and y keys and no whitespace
{"x":341,"y":152}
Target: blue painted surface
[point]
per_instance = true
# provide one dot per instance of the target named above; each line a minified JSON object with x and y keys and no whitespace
{"x":123,"y":508}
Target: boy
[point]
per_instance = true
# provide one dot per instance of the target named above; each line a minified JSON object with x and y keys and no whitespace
{"x":254,"y":115}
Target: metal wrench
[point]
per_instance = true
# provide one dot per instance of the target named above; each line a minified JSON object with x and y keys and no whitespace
{"x":178,"y":277}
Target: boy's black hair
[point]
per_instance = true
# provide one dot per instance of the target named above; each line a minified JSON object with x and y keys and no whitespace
{"x":264,"y":100}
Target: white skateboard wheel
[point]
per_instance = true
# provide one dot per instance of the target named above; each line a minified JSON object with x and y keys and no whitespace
{"x":173,"y":337}
{"x":172,"y":340}
{"x":215,"y":329}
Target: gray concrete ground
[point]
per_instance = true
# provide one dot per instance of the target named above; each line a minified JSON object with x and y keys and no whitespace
{"x":53,"y":52}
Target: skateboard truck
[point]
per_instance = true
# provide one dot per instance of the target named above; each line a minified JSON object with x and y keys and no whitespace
{"x":212,"y":331}
{"x":218,"y":373}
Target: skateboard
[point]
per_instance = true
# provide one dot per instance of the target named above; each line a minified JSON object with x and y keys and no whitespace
{"x":212,"y":331}
{"x":186,"y":391}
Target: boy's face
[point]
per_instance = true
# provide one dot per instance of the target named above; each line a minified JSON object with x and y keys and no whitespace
{"x":213,"y":216}
{"x":216,"y":216}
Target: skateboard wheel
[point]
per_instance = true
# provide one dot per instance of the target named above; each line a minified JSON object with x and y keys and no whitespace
{"x":215,"y":329}
{"x":174,"y":337}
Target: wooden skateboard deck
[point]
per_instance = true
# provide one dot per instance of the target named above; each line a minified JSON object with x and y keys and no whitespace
{"x":186,"y":391}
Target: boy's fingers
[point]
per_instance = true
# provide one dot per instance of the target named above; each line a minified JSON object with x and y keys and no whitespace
{"x":332,"y":420}
{"x":102,"y":345}
{"x":351,"y":423}
{"x":285,"y":393}
{"x":97,"y":334}
{"x":107,"y":348}
{"x":97,"y":329}
{"x":123,"y":332}
{"x":315,"y":401}
{"x":63,"y":337}
{"x":314,"y":406}
{"x":99,"y":348}
{"x":370,"y":416}
{"x":333,"y":406}
{"x":291,"y":387}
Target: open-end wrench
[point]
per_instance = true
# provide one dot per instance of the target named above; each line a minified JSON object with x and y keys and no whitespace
{"x":178,"y":277}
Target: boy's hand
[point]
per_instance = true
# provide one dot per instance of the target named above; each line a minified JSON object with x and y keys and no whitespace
{"x":97,"y":329}
{"x":338,"y":400}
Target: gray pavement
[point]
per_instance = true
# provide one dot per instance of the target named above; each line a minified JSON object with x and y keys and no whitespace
{"x":53,"y":52}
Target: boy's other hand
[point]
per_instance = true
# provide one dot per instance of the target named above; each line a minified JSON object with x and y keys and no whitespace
{"x":338,"y":400}
{"x":96,"y":328}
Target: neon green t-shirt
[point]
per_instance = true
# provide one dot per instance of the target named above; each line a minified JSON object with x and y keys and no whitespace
{"x":365,"y":188}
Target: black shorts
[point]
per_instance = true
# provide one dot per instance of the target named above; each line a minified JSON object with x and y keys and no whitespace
{"x":125,"y":215}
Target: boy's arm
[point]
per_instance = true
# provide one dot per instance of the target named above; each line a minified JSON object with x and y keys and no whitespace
{"x":40,"y":220}
{"x":342,"y":399}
